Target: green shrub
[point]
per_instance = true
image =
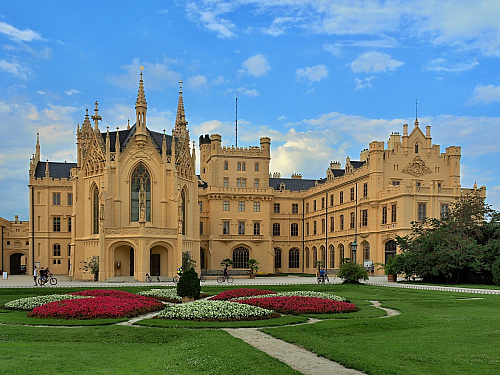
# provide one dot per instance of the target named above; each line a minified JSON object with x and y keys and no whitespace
{"x":495,"y":269}
{"x":351,"y":273}
{"x":189,"y":284}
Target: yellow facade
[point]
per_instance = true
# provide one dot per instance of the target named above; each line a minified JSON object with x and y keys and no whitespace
{"x":133,"y":198}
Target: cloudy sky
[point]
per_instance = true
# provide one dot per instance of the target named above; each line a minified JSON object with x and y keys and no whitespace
{"x":322,"y":78}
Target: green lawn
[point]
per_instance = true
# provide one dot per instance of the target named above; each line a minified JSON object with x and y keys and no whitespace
{"x":436,"y":333}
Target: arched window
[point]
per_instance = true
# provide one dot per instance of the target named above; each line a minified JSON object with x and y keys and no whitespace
{"x":315,"y":257}
{"x":307,"y":257}
{"x":277,"y":258}
{"x":240,"y":257}
{"x":341,"y":253}
{"x":140,"y":194}
{"x":183,"y":212}
{"x":332,"y":256}
{"x":390,"y":249}
{"x":366,"y":251}
{"x":416,"y":148}
{"x":95,"y":211}
{"x":293,"y":258}
{"x":202,"y":258}
{"x":353,"y":254}
{"x":323,"y":256}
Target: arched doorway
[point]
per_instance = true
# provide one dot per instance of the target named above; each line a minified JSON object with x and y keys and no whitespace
{"x":124,"y":258}
{"x":390,"y":249}
{"x":16,"y":264}
{"x":158,"y":261}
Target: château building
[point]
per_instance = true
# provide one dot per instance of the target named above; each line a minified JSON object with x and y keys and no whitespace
{"x":133,"y":199}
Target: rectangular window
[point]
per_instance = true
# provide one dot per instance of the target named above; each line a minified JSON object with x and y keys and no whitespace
{"x":256,"y":167}
{"x":239,"y":165}
{"x":241,"y":227}
{"x":69,"y":249}
{"x":444,"y":211}
{"x":276,"y":208}
{"x":393,"y":213}
{"x":226,"y":166}
{"x":307,"y":229}
{"x":395,"y":183}
{"x":70,"y":199}
{"x":56,"y":199}
{"x":322,"y":203}
{"x":256,"y":228}
{"x":200,"y":203}
{"x":384,"y":215}
{"x":56,"y":224}
{"x":256,"y":183}
{"x":57,"y":250}
{"x":341,"y":198}
{"x":243,"y":166}
{"x":315,"y":227}
{"x":256,"y":206}
{"x":241,"y":206}
{"x":225,"y":227}
{"x":422,"y":211}
{"x":225,"y":206}
{"x":332,"y":224}
{"x":331,"y":199}
{"x":69,"y":224}
{"x":226,"y":182}
{"x":201,"y":228}
{"x":307,"y":207}
{"x":364,"y":218}
{"x":352,"y":194}
{"x":243,"y":182}
{"x":341,"y":222}
{"x":365,"y":190}
{"x":238,"y":182}
{"x":314,"y":205}
{"x":276,"y":229}
{"x":295,"y":208}
{"x":323,"y":226}
{"x":294,"y":230}
{"x":353,"y":220}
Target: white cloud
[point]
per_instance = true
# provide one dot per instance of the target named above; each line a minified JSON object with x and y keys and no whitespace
{"x":374,"y":62}
{"x":72,"y":92}
{"x":248,"y":92}
{"x":313,"y":74}
{"x":256,"y":65}
{"x":219,"y":80}
{"x":485,"y":94}
{"x":282,"y":117}
{"x":442,"y":65}
{"x":363,"y":83}
{"x":197,"y":82}
{"x":209,"y":16}
{"x":14,"y":68}
{"x":26,"y":35}
{"x":155,"y":74}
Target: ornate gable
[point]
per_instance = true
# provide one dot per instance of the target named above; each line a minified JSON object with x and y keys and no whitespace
{"x":184,"y":163}
{"x":94,"y":159}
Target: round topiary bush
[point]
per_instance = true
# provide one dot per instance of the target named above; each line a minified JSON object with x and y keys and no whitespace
{"x":351,"y":273}
{"x":189,"y":284}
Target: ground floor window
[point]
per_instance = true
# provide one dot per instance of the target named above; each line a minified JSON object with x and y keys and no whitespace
{"x":277,"y":258}
{"x":293,"y":258}
{"x":240,"y":257}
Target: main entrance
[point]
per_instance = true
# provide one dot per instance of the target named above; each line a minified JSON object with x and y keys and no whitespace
{"x":16,"y":266}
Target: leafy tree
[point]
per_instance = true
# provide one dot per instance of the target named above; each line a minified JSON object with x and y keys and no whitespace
{"x":226,"y":262}
{"x":187,"y":260}
{"x":351,"y":273}
{"x":253,"y":265}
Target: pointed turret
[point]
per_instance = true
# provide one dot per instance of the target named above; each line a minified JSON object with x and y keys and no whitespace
{"x":47,"y":172}
{"x":117,"y":143}
{"x":141,"y":108}
{"x":180,"y":119}
{"x":37,"y":152}
{"x":96,"y":118}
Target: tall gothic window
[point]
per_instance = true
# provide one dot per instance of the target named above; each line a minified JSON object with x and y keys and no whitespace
{"x":183,"y":212}
{"x":293,"y":258}
{"x":140,"y":179}
{"x":240,"y":257}
{"x":95,"y":202}
{"x":277,"y":257}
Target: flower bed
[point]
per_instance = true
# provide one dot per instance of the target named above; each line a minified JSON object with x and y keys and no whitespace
{"x":105,"y":304}
{"x":30,"y":303}
{"x":238,"y":293}
{"x":300,"y":293}
{"x":300,"y":305}
{"x":168,"y":295}
{"x":216,"y":311}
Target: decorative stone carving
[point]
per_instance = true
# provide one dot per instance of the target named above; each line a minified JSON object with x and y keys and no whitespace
{"x":416,"y":167}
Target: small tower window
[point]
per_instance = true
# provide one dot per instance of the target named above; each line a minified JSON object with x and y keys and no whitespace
{"x":416,"y":148}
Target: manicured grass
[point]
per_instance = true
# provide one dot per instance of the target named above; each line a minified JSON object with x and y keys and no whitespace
{"x":436,"y":333}
{"x":174,"y":323}
{"x":19,"y":317}
{"x":130,"y":350}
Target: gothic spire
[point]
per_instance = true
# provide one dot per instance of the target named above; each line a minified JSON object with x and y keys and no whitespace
{"x":141,"y":107}
{"x":180,"y":119}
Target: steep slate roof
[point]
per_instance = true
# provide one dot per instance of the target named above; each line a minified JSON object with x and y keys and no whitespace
{"x":125,"y":135}
{"x":338,"y":172}
{"x":294,"y":184}
{"x":357,"y":164}
{"x":56,"y":169}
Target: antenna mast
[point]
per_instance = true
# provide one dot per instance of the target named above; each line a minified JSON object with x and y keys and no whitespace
{"x":416,"y":108}
{"x":236,"y":118}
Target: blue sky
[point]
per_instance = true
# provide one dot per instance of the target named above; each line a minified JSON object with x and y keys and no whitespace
{"x":321,"y":78}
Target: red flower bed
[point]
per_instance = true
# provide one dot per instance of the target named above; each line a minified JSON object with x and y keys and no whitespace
{"x":301,"y":305}
{"x":109,"y":304}
{"x":236,"y":293}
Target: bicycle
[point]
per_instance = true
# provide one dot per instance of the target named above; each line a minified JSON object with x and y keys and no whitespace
{"x":49,"y":279}
{"x":323,"y":279}
{"x":221,"y":279}
{"x":150,"y":280}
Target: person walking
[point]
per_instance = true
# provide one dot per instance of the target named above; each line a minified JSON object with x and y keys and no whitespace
{"x":35,"y":275}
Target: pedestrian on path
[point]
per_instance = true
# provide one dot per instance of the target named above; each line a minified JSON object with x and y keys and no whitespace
{"x":35,"y":275}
